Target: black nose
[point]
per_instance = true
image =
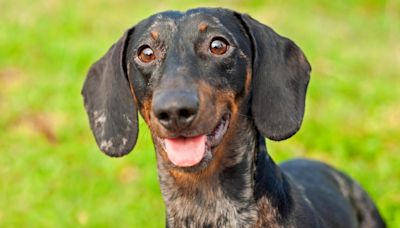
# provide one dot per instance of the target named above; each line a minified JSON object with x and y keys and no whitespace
{"x":175,"y":111}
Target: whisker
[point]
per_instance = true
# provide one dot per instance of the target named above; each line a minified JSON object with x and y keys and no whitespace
{"x":141,"y":136}
{"x":250,"y":117}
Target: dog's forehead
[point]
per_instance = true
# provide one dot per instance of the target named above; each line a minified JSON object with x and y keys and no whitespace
{"x":198,"y":19}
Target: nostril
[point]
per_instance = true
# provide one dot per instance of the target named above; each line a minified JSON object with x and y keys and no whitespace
{"x":184,"y":113}
{"x":163,"y":116}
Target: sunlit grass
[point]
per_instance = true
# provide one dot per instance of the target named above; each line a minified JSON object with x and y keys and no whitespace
{"x":51,"y":171}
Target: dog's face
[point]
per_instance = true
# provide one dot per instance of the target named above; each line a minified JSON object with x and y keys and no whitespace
{"x":197,"y":68}
{"x":193,"y":76}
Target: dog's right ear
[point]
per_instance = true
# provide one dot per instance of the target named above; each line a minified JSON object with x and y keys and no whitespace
{"x":109,"y":101}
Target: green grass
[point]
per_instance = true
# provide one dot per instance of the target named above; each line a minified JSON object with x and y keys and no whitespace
{"x":51,"y":171}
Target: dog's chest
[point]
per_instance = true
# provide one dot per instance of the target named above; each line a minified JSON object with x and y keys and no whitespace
{"x":268,"y":216}
{"x":220,"y":213}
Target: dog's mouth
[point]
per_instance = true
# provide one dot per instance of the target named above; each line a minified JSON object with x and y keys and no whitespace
{"x":189,"y":151}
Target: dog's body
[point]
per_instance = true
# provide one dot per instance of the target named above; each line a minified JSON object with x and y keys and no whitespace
{"x":211,"y":84}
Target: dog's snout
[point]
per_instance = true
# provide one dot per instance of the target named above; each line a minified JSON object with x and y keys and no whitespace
{"x":175,"y":111}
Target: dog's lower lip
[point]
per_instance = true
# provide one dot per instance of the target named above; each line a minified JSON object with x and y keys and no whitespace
{"x":213,"y":138}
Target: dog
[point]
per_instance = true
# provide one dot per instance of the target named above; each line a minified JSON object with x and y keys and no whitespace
{"x":212,"y":84}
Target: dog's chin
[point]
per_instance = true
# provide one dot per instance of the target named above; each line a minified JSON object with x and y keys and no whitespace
{"x":213,"y":139}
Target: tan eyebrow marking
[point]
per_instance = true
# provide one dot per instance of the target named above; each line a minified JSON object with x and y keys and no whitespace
{"x":154,"y":34}
{"x":203,"y":27}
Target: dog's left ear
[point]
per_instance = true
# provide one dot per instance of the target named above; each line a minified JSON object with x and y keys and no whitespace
{"x":109,"y":102}
{"x":280,"y":77}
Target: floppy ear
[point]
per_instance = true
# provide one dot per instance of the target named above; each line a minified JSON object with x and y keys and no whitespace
{"x":280,"y":77}
{"x":109,"y":102}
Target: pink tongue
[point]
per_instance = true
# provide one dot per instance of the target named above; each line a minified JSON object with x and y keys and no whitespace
{"x":186,"y":152}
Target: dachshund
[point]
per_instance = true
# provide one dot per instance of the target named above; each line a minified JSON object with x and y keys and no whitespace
{"x":212,"y":84}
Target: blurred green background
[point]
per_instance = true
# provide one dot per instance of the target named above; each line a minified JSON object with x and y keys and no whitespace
{"x":53,"y":175}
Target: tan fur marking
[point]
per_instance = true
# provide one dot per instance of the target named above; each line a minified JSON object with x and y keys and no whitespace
{"x":203,"y":27}
{"x":147,"y":110}
{"x":130,"y":85}
{"x":248,"y":80}
{"x":154,"y":35}
{"x":134,"y":97}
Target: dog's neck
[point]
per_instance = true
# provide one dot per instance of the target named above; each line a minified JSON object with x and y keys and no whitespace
{"x":237,"y":194}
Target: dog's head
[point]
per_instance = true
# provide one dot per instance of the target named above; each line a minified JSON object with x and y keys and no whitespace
{"x":190,"y":75}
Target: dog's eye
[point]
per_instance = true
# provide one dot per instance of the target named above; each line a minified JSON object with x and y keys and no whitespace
{"x":218,"y":47}
{"x":147,"y":55}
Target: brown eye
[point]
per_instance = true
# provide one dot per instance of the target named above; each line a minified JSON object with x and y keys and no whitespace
{"x":218,"y":47}
{"x":147,"y":55}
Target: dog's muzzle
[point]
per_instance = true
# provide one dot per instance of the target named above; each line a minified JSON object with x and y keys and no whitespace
{"x":189,"y":151}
